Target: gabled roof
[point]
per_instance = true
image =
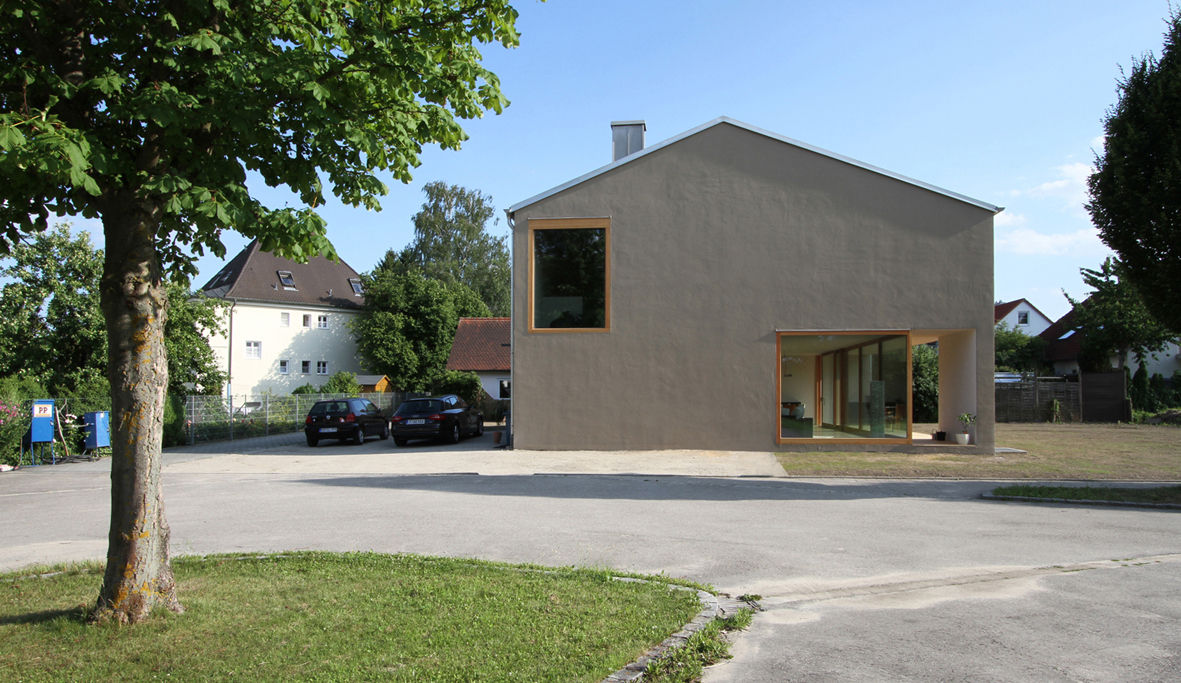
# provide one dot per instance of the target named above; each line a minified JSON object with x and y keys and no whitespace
{"x":257,"y":275}
{"x":759,"y":131}
{"x":1006,"y":307}
{"x":481,"y":345}
{"x":1062,"y":341}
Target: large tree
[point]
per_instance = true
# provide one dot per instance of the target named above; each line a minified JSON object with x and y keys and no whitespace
{"x":1135,"y":192}
{"x":51,"y":326}
{"x":408,"y":324}
{"x":51,"y":322}
{"x":452,"y":244}
{"x":151,"y":114}
{"x":1114,"y":321}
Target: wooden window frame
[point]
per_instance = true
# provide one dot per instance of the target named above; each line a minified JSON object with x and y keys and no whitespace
{"x":603,"y":224}
{"x":781,"y":440}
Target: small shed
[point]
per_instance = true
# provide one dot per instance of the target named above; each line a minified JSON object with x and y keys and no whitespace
{"x":374,"y":384}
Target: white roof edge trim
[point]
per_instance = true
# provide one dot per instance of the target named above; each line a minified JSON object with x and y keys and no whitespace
{"x":760,"y":131}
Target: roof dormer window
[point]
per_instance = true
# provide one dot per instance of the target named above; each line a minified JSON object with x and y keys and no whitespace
{"x":355,"y":283}
{"x":286,"y":279}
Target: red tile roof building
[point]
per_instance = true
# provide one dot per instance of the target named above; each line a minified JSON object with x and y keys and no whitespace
{"x":481,"y":345}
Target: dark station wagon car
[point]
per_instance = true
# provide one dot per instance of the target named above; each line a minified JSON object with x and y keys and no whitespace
{"x":446,"y":417}
{"x":350,"y":419}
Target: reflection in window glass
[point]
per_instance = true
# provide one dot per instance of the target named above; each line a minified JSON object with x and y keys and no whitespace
{"x":570,"y":278}
{"x":844,"y":386}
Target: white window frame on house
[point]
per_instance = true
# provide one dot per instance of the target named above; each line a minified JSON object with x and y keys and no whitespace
{"x":283,"y":366}
{"x":307,"y":320}
{"x":322,"y":322}
{"x":1022,"y":317}
{"x":254,"y":349}
{"x":284,"y":319}
{"x":321,"y":367}
{"x":305,"y":367}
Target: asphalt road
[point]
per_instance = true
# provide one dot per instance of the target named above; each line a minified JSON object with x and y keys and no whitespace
{"x":860,"y":579}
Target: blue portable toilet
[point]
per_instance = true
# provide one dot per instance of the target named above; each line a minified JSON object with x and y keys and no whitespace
{"x":98,"y":429}
{"x":41,"y":430}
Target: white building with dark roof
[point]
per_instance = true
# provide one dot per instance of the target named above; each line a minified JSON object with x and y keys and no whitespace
{"x":287,"y":323}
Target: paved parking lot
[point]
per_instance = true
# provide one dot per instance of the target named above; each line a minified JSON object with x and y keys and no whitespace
{"x":861,"y":579}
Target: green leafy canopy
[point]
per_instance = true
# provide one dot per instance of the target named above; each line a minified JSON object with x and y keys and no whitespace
{"x":1135,"y":192}
{"x":163,"y":108}
{"x":452,"y":245}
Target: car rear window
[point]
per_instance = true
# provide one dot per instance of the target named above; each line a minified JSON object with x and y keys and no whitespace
{"x":420,"y":406}
{"x":329,"y":408}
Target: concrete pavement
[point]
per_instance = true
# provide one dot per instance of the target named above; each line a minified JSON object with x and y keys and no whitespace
{"x":862,"y":579}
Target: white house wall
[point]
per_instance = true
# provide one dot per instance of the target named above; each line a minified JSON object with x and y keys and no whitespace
{"x":334,"y":346}
{"x":1037,"y":322}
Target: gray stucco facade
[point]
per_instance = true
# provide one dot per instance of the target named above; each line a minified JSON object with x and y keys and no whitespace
{"x":720,"y":239}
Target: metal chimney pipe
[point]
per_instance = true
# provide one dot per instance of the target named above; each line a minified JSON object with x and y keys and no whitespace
{"x":627,"y":137}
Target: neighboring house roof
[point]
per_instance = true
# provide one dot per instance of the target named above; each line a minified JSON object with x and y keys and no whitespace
{"x":1006,"y":307}
{"x":257,"y":275}
{"x":1062,"y":341}
{"x":481,"y":345}
{"x":774,"y":136}
{"x":1003,"y":309}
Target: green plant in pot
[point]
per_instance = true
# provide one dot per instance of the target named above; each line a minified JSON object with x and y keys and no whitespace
{"x":965,"y":419}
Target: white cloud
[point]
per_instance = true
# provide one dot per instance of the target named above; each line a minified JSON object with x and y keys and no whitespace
{"x":1070,"y":187}
{"x":1009,"y":219}
{"x":1028,"y":242}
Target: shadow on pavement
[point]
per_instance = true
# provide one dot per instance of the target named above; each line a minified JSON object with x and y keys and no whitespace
{"x":669,"y":487}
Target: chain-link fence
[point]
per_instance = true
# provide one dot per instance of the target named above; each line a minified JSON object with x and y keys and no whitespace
{"x":188,"y":420}
{"x":222,"y":418}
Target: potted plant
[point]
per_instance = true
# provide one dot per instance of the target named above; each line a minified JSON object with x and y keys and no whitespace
{"x":966,"y":419}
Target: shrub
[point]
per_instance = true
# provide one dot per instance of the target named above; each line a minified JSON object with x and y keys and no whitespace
{"x":342,"y":383}
{"x":14,"y":422}
{"x":466,"y":385}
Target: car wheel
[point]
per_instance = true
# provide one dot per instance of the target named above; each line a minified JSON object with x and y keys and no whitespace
{"x":359,"y":436}
{"x":399,"y":441}
{"x":312,"y":441}
{"x":385,"y":431}
{"x":453,"y":434}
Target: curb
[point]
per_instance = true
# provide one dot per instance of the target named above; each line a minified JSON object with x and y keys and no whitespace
{"x":713,"y":607}
{"x":1076,"y":501}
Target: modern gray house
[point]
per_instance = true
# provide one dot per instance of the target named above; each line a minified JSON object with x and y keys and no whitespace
{"x":733,"y":289}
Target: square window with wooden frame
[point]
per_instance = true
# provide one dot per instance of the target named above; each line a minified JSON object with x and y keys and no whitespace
{"x":570,"y":275}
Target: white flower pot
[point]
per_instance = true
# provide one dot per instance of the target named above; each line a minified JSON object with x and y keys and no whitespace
{"x":962,"y":439}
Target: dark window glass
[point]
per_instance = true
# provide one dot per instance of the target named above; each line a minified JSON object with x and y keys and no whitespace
{"x":419,"y":406}
{"x":505,"y":388}
{"x":570,"y":278}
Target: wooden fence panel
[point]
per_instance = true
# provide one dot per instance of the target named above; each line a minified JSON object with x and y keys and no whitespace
{"x":1046,"y":399}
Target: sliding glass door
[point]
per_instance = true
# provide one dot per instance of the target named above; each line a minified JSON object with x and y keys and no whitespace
{"x":844,"y":386}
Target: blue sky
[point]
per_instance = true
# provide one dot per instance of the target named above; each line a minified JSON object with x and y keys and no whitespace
{"x":1002,"y":101}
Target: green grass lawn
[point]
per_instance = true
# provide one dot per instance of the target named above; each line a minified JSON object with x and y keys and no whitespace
{"x":325,"y":616}
{"x":1053,"y":451}
{"x":1156,"y":494}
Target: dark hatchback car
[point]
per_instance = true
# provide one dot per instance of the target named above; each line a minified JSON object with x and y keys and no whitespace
{"x":350,"y":419}
{"x":444,"y":417}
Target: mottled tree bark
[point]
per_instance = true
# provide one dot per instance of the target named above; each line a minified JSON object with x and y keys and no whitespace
{"x":139,"y":575}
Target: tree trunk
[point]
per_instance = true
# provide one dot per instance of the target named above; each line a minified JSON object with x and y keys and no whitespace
{"x":139,"y":575}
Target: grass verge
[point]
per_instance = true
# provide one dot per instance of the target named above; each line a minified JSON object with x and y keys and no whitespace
{"x":1115,"y":494}
{"x":703,"y":648}
{"x":1053,"y":451}
{"x":326,"y":616}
